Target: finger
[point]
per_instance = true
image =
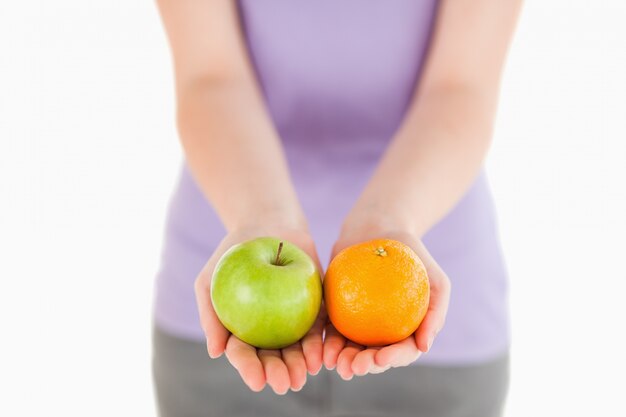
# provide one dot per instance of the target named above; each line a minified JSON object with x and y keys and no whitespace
{"x":344,"y":361}
{"x":312,"y":341}
{"x":402,"y":353}
{"x":296,"y":366}
{"x":312,"y":344}
{"x":363,"y":362}
{"x":276,"y":372}
{"x":244,"y":359}
{"x":216,"y":334}
{"x":378,"y":370}
{"x":439,"y":298}
{"x":437,"y":310}
{"x":334,"y":342}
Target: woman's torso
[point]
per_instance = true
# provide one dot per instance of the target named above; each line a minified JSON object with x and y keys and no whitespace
{"x":337,"y":79}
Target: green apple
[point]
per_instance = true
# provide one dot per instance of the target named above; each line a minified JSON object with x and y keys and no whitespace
{"x":267,"y":292}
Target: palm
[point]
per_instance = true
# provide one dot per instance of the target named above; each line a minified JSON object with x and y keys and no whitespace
{"x":352,"y":359}
{"x":281,"y":369}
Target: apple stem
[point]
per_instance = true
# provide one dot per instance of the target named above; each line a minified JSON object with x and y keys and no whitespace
{"x":280,"y":248}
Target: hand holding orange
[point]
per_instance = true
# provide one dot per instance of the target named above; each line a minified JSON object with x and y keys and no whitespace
{"x":350,"y":358}
{"x":376,"y":292}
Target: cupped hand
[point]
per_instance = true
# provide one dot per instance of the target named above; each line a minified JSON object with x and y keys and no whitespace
{"x":281,"y":369}
{"x":353,"y":359}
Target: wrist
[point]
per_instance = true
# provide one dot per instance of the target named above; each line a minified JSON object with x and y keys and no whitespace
{"x":378,"y":219}
{"x":295,"y":231}
{"x":270,"y":221}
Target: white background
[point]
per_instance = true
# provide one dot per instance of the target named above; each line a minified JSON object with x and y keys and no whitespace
{"x":89,"y":156}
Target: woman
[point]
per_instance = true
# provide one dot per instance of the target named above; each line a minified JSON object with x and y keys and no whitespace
{"x":329,"y":123}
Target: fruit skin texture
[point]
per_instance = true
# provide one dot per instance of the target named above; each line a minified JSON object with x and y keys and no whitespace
{"x":266,"y":305}
{"x":376,"y":292}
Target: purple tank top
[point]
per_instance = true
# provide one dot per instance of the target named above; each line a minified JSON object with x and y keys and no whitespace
{"x":337,"y":79}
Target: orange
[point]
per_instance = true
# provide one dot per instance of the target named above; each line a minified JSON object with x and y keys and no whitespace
{"x":376,"y":292}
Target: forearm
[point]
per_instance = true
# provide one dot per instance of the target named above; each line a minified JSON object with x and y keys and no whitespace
{"x":441,"y":144}
{"x":431,"y":161}
{"x":235,"y":155}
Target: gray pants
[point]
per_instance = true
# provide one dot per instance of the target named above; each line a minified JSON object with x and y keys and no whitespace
{"x":189,"y":384}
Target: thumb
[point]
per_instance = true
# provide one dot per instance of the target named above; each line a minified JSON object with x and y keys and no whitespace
{"x":216,"y":334}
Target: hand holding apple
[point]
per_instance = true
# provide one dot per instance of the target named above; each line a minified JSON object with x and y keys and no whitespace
{"x":267,"y":292}
{"x":281,"y":369}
